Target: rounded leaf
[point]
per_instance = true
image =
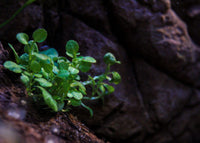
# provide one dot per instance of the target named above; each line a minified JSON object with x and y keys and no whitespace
{"x":72,"y":48}
{"x":84,"y":66}
{"x":22,"y":38}
{"x":116,"y":78}
{"x":39,"y":35}
{"x":35,"y":66}
{"x":109,"y":58}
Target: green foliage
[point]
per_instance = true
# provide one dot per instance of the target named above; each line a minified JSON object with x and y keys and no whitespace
{"x":55,"y":79}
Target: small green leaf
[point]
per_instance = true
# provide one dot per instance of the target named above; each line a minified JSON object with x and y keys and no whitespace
{"x":44,"y":73}
{"x":80,"y":85}
{"x":13,"y":66}
{"x":38,"y":75}
{"x":102,"y":89}
{"x":69,"y":94}
{"x":15,"y":53}
{"x":77,"y":95}
{"x":48,"y":67}
{"x":35,"y":66}
{"x":109,"y":58}
{"x":63,"y":73}
{"x":52,"y":53}
{"x":22,"y":38}
{"x":41,"y":56}
{"x":63,"y":65}
{"x":109,"y":88}
{"x":84,"y":66}
{"x":33,"y":46}
{"x":116,"y":78}
{"x":72,"y":48}
{"x":48,"y":99}
{"x":55,"y":70}
{"x":24,"y":58}
{"x":74,"y":102}
{"x":43,"y":82}
{"x":39,"y":35}
{"x":87,"y":59}
{"x":73,"y":70}
{"x":24,"y":79}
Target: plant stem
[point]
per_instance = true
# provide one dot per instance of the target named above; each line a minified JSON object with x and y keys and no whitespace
{"x":17,"y":12}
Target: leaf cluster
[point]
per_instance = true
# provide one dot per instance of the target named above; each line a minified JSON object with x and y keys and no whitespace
{"x":55,"y":79}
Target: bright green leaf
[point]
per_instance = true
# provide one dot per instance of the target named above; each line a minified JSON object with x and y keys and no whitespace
{"x":24,"y":79}
{"x":109,"y":88}
{"x":43,"y":82}
{"x":73,"y":70}
{"x":87,"y":59}
{"x":39,"y":35}
{"x":22,"y":38}
{"x":41,"y":56}
{"x":116,"y":78}
{"x":48,"y":99}
{"x":77,"y":95}
{"x":13,"y":66}
{"x":38,"y":75}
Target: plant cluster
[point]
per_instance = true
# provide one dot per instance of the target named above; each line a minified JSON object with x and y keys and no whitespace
{"x":55,"y":79}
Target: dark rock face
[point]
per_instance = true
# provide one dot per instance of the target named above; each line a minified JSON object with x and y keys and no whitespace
{"x":158,"y":98}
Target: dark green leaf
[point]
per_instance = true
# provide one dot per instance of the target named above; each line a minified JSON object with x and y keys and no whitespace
{"x":72,"y":48}
{"x":22,"y":38}
{"x":48,"y":99}
{"x":48,"y":67}
{"x":35,"y":66}
{"x":13,"y":66}
{"x":39,"y":35}
{"x":33,"y":46}
{"x":63,"y":65}
{"x":43,"y":82}
{"x":74,"y":102}
{"x":84,"y":66}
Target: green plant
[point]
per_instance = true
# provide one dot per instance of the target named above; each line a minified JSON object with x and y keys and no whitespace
{"x":55,"y":79}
